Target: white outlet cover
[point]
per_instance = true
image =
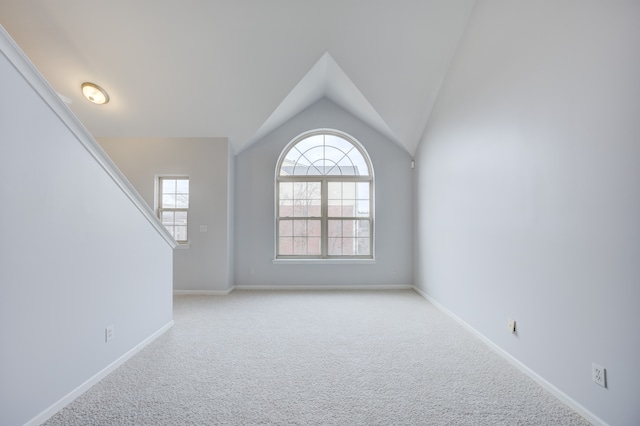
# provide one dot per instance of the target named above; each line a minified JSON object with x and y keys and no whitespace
{"x":108,"y":333}
{"x":511,"y":326}
{"x":599,"y":375}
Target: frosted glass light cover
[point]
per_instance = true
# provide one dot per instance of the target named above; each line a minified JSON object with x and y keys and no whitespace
{"x":95,"y":93}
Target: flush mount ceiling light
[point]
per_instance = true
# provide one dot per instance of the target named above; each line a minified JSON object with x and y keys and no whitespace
{"x":94,"y":93}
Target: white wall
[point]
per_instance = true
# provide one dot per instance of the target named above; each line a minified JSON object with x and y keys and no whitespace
{"x":528,"y":192}
{"x":76,"y":256}
{"x":204,"y":265}
{"x":231,"y":171}
{"x":254,"y":218}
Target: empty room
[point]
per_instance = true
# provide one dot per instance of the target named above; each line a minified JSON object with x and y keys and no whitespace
{"x":331,"y":212}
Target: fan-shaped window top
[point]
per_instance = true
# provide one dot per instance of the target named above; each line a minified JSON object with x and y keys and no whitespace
{"x":324,"y":154}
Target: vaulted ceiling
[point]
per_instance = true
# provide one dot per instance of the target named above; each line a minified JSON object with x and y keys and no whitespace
{"x":240,"y":68}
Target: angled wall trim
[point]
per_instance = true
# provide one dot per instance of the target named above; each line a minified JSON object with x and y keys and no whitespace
{"x":67,"y":399}
{"x":32,"y":76}
{"x":566,"y":399}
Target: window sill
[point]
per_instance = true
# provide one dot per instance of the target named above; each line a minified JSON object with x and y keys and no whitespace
{"x":324,"y":261}
{"x":183,"y":246}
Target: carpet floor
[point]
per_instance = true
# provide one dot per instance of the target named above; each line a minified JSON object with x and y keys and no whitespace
{"x":315,"y":358}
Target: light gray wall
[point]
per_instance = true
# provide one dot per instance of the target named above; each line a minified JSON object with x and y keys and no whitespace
{"x":204,"y":265}
{"x":76,"y":256}
{"x":254,"y":209}
{"x":231,"y":171}
{"x":528,"y":192}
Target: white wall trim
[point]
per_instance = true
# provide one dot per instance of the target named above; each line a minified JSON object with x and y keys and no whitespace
{"x":324,"y":261}
{"x":323,"y":287}
{"x":203,"y":292}
{"x":567,"y":400}
{"x":288,"y":287}
{"x":66,"y":400}
{"x":32,"y":76}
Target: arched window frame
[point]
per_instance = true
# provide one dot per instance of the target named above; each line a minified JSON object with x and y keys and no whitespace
{"x":328,"y":221}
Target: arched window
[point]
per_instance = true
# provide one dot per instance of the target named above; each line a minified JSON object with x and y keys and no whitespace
{"x":324,"y":198}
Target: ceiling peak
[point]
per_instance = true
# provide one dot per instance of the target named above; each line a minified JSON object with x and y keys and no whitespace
{"x":325,"y":79}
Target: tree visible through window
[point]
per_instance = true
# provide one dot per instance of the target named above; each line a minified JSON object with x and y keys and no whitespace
{"x":173,"y":205}
{"x":324,"y":198}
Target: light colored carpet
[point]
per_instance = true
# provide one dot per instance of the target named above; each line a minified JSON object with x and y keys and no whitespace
{"x":315,"y":358}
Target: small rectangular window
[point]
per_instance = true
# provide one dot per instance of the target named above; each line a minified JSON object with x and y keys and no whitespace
{"x":173,"y":206}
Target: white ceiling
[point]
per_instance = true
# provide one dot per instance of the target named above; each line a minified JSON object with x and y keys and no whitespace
{"x":240,"y":68}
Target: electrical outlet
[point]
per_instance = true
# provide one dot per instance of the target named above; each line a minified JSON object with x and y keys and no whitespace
{"x":599,"y":375}
{"x":108,"y":333}
{"x":511,"y":326}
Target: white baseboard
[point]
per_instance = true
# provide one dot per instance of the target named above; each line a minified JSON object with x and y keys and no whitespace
{"x":67,"y":399}
{"x":567,"y":400}
{"x":322,"y":287}
{"x":203,"y":292}
{"x":288,"y":287}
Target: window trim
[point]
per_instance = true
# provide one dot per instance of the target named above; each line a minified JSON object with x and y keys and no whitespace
{"x":158,"y":204}
{"x":324,"y":257}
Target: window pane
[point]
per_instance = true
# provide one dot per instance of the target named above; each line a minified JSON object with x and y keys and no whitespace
{"x":362,"y":190}
{"x":182,"y":201}
{"x":335,"y":155}
{"x":286,"y":246}
{"x":168,"y":186}
{"x":314,"y":191}
{"x":348,"y":246}
{"x":348,"y":208}
{"x":300,"y":208}
{"x":300,"y":190}
{"x":338,"y":142}
{"x":168,"y":201}
{"x":299,"y":245}
{"x":286,"y":190}
{"x":335,"y":228}
{"x":359,"y":163}
{"x":315,"y":208}
{"x":348,"y":228}
{"x":334,"y":247}
{"x":315,"y":156}
{"x":299,"y":228}
{"x":334,"y":208}
{"x":363,"y":228}
{"x":363,"y":246}
{"x":314,"y":228}
{"x":286,"y":208}
{"x":362,"y":208}
{"x":314,"y":247}
{"x":182,"y":186}
{"x":180,"y":233}
{"x":334,"y":190}
{"x":286,"y":228}
{"x":181,"y":218}
{"x":348,"y":190}
{"x":168,"y":218}
{"x":310,"y":142}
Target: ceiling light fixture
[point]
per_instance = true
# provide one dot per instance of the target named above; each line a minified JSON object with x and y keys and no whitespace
{"x":94,"y":93}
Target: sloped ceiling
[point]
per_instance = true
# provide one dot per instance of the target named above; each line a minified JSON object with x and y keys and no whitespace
{"x":239,"y":68}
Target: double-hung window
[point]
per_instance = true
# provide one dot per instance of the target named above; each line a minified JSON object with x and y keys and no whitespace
{"x":173,"y":206}
{"x":324,"y":198}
